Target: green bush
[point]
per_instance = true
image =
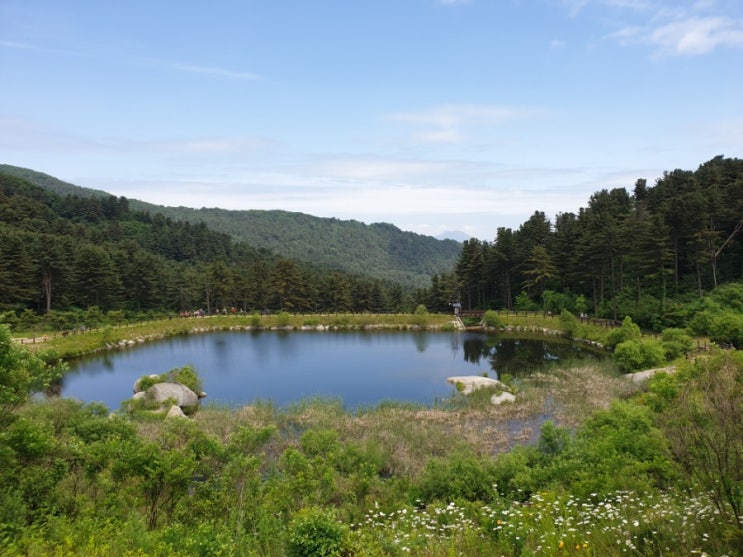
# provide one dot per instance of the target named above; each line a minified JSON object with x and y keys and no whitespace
{"x":636,"y":354}
{"x":283,"y":319}
{"x":676,"y":343}
{"x":315,"y":532}
{"x":186,"y":375}
{"x":421,"y":315}
{"x":727,"y":329}
{"x":255,"y":319}
{"x":491,"y":319}
{"x":455,"y":478}
{"x":619,"y":449}
{"x":569,"y":324}
{"x":628,"y":331}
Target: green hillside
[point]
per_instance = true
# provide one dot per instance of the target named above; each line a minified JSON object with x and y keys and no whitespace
{"x":380,"y":250}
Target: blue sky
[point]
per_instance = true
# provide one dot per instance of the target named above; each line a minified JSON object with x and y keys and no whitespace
{"x":432,"y":115}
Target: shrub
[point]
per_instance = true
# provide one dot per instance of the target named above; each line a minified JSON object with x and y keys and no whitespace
{"x":186,"y":375}
{"x":676,"y":343}
{"x":421,"y":315}
{"x":283,"y":319}
{"x":314,"y":532}
{"x":727,"y":329}
{"x":569,"y":323}
{"x":255,"y":319}
{"x":522,"y":302}
{"x":491,"y":319}
{"x":457,"y":477}
{"x":628,"y":331}
{"x":635,"y":354}
{"x":619,"y":449}
{"x":703,"y":427}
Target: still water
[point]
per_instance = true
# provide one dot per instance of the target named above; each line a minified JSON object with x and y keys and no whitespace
{"x":360,"y":368}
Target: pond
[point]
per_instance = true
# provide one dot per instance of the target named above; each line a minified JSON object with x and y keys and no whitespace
{"x":360,"y":368}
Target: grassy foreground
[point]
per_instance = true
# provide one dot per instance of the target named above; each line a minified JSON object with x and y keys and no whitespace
{"x":584,"y":462}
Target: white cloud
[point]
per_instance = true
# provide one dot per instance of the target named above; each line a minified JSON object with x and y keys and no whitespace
{"x":439,"y":136}
{"x":452,"y":115}
{"x":208,"y":146}
{"x":216,"y":72}
{"x":376,"y":169}
{"x":445,"y":123}
{"x":695,"y":35}
{"x":680,"y":29}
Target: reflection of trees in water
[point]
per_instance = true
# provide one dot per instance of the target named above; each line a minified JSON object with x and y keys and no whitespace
{"x":518,"y":356}
{"x":422,"y":340}
{"x":475,"y":349}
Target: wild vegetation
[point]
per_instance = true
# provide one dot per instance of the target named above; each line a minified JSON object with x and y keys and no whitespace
{"x":619,"y":468}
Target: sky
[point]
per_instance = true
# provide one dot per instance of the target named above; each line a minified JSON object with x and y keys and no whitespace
{"x":432,"y":115}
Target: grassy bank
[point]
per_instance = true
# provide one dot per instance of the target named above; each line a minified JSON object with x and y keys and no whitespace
{"x":72,"y":344}
{"x":583,"y":462}
{"x":462,"y":478}
{"x":80,"y":342}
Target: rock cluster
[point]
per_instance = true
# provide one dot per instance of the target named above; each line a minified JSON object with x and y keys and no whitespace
{"x":175,"y":398}
{"x":470,"y":383}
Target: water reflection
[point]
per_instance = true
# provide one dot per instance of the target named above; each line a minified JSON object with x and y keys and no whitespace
{"x":519,"y":356}
{"x":362,"y":368}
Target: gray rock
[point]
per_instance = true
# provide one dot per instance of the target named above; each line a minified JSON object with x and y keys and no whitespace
{"x":471,"y":383}
{"x":175,"y":393}
{"x":175,"y":412}
{"x":501,"y":398}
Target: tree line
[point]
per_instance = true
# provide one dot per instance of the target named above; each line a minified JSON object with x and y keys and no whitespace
{"x":647,"y":254}
{"x":61,"y":253}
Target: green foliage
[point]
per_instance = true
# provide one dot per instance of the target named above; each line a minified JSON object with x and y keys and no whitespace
{"x":569,"y":323}
{"x":555,"y":302}
{"x":553,"y":440}
{"x":676,"y":342}
{"x":21,"y":372}
{"x":702,"y":412}
{"x":283,"y":319}
{"x":491,"y":319}
{"x":628,"y":331}
{"x":420,"y":316}
{"x":458,"y":477}
{"x":726,"y":328}
{"x":314,"y":532}
{"x":255,"y":320}
{"x":186,"y":375}
{"x":524,"y":303}
{"x":639,"y":354}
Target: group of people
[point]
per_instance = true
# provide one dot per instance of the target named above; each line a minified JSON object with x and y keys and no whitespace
{"x":201,"y":312}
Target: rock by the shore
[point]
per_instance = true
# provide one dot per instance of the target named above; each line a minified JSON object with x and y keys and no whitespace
{"x":471,"y":383}
{"x":640,"y":376}
{"x":176,"y":393}
{"x":502,"y":397}
{"x":175,"y":412}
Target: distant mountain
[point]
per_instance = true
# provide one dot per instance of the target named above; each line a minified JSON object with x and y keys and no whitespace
{"x":377,"y":250}
{"x":456,"y":235}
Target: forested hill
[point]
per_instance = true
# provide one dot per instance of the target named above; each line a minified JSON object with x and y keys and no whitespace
{"x":377,"y":250}
{"x":66,"y":253}
{"x":380,"y":251}
{"x":650,"y":254}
